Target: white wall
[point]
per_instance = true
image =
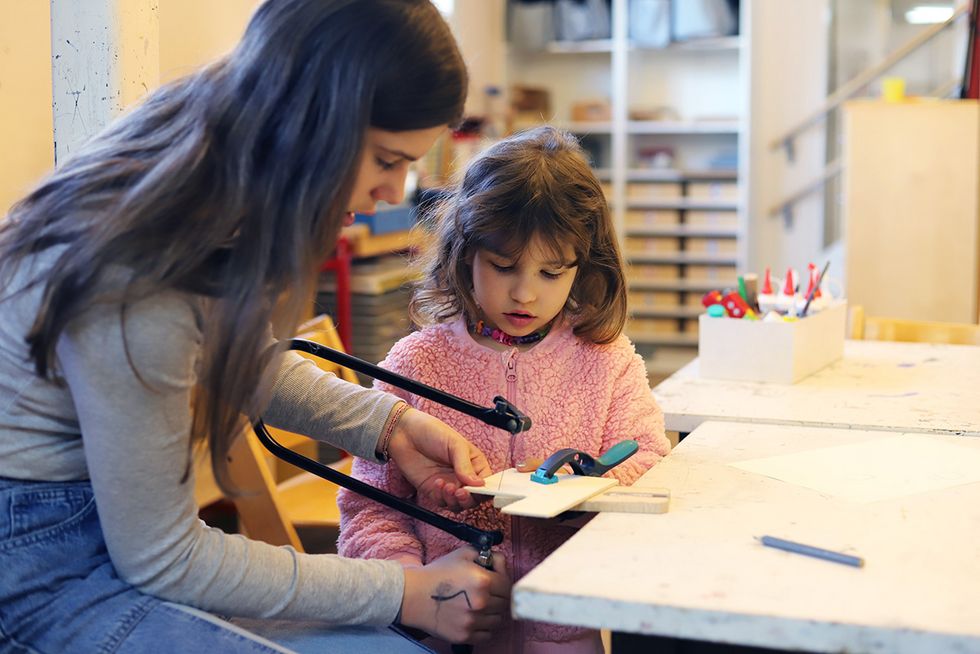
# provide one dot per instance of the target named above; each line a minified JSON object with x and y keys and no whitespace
{"x":479,"y":29}
{"x":787,"y":51}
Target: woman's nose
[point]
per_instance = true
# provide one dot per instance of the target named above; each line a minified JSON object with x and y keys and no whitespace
{"x":392,"y":190}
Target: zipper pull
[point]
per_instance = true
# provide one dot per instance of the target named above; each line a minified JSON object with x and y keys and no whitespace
{"x":512,"y":366}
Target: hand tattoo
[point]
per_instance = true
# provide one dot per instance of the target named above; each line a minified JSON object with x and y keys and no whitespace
{"x":442,"y":594}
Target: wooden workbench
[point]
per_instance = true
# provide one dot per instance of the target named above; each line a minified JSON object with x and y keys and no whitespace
{"x":876,"y":385}
{"x":698,"y":572}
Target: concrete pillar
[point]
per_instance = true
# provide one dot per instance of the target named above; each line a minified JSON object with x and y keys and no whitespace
{"x":105,"y":55}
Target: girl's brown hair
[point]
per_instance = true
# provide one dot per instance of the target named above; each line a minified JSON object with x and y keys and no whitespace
{"x":536,"y":183}
{"x":232,"y":183}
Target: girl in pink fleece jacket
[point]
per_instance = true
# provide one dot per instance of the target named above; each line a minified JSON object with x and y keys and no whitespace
{"x":523,"y":296}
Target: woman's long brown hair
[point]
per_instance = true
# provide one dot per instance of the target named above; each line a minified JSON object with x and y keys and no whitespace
{"x":232,"y":183}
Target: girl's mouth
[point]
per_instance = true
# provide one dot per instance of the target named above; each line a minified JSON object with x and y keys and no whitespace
{"x":519,"y":319}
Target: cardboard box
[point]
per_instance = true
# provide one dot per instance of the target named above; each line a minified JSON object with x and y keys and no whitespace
{"x":775,"y":352}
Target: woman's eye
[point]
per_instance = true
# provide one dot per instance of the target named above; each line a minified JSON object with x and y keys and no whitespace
{"x":385,"y":165}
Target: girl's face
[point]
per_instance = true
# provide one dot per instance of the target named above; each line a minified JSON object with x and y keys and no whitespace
{"x":384,"y":163}
{"x":522,"y":296}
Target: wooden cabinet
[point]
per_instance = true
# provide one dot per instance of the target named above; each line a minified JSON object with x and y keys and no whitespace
{"x":912,"y":208}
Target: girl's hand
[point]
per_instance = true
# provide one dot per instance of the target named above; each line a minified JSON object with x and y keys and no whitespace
{"x":437,"y":460}
{"x":456,"y":599}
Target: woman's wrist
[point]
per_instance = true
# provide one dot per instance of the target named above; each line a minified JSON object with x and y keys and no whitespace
{"x":408,"y":560}
{"x":382,"y":450}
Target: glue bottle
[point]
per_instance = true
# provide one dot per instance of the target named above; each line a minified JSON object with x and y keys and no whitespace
{"x":786,"y":302}
{"x":766,"y":299}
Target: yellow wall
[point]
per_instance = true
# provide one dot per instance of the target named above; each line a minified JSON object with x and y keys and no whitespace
{"x":25,"y":98}
{"x":193,"y":32}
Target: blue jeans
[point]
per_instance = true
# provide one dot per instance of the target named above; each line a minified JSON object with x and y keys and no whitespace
{"x":59,"y":593}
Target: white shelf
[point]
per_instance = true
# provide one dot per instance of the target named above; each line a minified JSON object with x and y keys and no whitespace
{"x":662,"y":338}
{"x":682,"y":231}
{"x":675,"y":175}
{"x":684,"y":259}
{"x":721,"y":127}
{"x":593,"y":46}
{"x":580,"y":47}
{"x":702,"y":81}
{"x":714,"y":44}
{"x":654,"y":127}
{"x":690,"y":204}
{"x":671,"y":175}
{"x":666,"y":312}
{"x":586,"y":127}
{"x":681,"y":285}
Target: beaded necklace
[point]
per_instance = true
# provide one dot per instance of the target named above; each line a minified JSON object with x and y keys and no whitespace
{"x":506,"y":339}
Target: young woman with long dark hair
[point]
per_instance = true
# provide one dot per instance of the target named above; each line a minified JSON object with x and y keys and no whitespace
{"x":140,"y":285}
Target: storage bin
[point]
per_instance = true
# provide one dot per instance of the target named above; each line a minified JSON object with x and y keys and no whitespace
{"x":396,"y":219}
{"x":660,"y":299}
{"x":713,"y":190}
{"x":653,"y":191}
{"x":721,"y":274}
{"x":652,"y":271}
{"x":654,"y":245}
{"x":712,"y":246}
{"x":726,"y":219}
{"x":652,"y":218}
{"x":579,"y":20}
{"x":699,"y":19}
{"x":650,"y":23}
{"x":530,"y":24}
{"x":775,"y":352}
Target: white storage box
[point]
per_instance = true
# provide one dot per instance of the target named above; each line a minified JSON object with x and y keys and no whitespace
{"x":776,"y":352}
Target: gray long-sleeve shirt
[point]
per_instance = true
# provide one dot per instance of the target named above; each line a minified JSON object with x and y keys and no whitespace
{"x":129,"y":435}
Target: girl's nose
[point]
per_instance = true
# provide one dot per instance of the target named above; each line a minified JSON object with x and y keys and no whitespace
{"x":523,"y":292}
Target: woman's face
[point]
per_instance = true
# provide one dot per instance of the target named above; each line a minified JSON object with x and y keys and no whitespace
{"x":384,"y":164}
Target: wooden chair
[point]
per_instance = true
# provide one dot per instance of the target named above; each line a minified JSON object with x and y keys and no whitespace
{"x":275,"y":497}
{"x":912,"y":331}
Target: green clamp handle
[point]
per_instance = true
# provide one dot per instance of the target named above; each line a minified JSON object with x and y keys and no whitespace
{"x":582,"y":463}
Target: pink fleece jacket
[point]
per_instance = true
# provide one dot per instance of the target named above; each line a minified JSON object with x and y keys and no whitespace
{"x":578,"y":394}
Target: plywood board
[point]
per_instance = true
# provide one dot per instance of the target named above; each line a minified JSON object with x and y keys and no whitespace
{"x":541,"y":500}
{"x":617,"y":499}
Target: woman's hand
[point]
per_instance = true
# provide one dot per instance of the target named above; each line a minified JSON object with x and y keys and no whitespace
{"x":456,"y":599}
{"x":437,"y":460}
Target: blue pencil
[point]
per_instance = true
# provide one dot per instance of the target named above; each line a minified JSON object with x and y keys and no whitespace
{"x":809,"y":550}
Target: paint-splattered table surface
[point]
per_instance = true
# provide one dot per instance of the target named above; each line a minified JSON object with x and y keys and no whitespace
{"x":698,"y":571}
{"x":876,"y":385}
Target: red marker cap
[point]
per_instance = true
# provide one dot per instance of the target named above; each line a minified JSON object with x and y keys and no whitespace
{"x":767,"y":283}
{"x":789,"y":288}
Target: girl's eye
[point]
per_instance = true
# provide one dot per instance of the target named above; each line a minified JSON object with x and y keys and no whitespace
{"x":501,"y":267}
{"x":385,"y":165}
{"x":552,"y":275}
